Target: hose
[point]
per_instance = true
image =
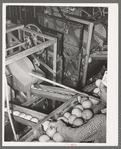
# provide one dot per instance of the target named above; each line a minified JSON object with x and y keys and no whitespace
{"x":8,"y":110}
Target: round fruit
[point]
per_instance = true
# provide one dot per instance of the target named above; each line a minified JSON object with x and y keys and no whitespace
{"x":35,"y":140}
{"x":16,"y":113}
{"x":28,"y":117}
{"x":94,"y":101}
{"x":45,"y":125}
{"x":35,"y":120}
{"x":22,"y":115}
{"x":96,"y":90}
{"x":87,"y":114}
{"x":80,"y":107}
{"x":78,"y":122}
{"x":50,"y":131}
{"x":44,"y":138}
{"x":50,"y":141}
{"x":83,"y":99}
{"x":90,"y":60}
{"x":67,"y":114}
{"x":79,"y":99}
{"x":57,"y":137}
{"x":77,"y":112}
{"x":97,"y":83}
{"x":63,"y":118}
{"x":72,"y":118}
{"x":87,"y":104}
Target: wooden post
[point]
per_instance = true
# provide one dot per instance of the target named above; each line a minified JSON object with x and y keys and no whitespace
{"x":90,"y":29}
{"x":54,"y":68}
{"x":80,"y":53}
{"x":54,"y":61}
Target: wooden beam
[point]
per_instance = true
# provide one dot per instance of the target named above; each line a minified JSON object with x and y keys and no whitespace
{"x":31,"y":100}
{"x":46,"y":66}
{"x":39,"y":34}
{"x":33,"y":113}
{"x":78,"y":19}
{"x":50,"y":95}
{"x":18,"y":45}
{"x":90,"y":30}
{"x":99,"y":57}
{"x":21,"y":120}
{"x":28,"y":52}
{"x":14,"y":27}
{"x":57,"y":89}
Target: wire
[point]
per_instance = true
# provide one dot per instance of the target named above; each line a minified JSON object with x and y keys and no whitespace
{"x":8,"y":110}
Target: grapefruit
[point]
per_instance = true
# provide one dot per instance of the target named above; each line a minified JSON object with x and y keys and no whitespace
{"x":97,"y":82}
{"x":87,"y":104}
{"x":57,"y":137}
{"x":50,"y":131}
{"x":83,"y":99}
{"x":67,"y":114}
{"x":94,"y":101}
{"x":35,"y":120}
{"x":77,"y":112}
{"x":16,"y":113}
{"x":80,"y":107}
{"x":90,"y":60}
{"x":71,"y":118}
{"x":44,"y":138}
{"x":96,"y":90}
{"x":87,"y":114}
{"x":28,"y":117}
{"x":22,"y":115}
{"x":63,"y":118}
{"x":78,"y":122}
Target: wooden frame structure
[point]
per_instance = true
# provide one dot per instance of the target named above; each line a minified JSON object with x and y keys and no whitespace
{"x":90,"y":31}
{"x":75,"y":20}
{"x":14,"y":42}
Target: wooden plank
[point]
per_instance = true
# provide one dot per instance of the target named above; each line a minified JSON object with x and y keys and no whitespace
{"x":78,"y":19}
{"x":31,"y":100}
{"x":46,"y":66}
{"x":49,"y":95}
{"x":54,"y":61}
{"x":14,"y":27}
{"x":35,"y":74}
{"x":90,"y":30}
{"x":24,"y":121}
{"x":57,"y":89}
{"x":17,"y":45}
{"x":39,"y":34}
{"x":17,"y":40}
{"x":28,"y":52}
{"x":99,"y":57}
{"x":33,"y":113}
{"x":21,"y":120}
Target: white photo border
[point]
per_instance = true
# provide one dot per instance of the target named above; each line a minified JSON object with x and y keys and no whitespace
{"x":112,"y":100}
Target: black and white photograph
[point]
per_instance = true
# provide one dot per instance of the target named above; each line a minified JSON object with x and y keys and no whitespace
{"x":57,"y":67}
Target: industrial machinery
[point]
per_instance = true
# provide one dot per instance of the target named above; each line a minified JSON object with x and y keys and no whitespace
{"x":34,"y":97}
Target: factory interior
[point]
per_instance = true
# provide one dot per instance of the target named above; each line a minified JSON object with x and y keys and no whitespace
{"x":55,"y":61}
